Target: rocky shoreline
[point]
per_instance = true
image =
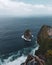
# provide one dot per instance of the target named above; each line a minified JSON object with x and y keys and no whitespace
{"x":44,"y":53}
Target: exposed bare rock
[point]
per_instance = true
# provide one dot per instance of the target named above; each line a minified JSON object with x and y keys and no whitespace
{"x":27,"y":35}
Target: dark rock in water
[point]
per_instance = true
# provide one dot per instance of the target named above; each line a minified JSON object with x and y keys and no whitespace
{"x":28,"y":34}
{"x":44,"y":38}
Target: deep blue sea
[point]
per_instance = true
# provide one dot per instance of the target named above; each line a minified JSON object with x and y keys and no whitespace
{"x":13,"y":49}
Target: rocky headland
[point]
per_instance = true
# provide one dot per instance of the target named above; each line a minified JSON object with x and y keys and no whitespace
{"x":43,"y":56}
{"x":44,"y":39}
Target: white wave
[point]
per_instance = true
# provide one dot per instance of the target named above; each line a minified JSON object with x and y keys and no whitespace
{"x":18,"y":60}
{"x":34,"y":49}
{"x":25,"y":38}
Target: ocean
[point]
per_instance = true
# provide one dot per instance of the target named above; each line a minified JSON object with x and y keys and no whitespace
{"x":13,"y":49}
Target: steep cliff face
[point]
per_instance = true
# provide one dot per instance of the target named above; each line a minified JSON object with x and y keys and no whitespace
{"x":44,"y":38}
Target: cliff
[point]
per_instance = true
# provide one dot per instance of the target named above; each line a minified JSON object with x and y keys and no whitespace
{"x":44,"y":39}
{"x":43,"y":56}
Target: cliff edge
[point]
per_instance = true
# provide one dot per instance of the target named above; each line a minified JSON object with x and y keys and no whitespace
{"x":44,"y":39}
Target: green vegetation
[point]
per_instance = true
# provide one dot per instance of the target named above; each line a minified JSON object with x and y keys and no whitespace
{"x":45,"y":43}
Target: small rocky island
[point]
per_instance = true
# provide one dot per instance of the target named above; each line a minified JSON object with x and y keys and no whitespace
{"x":27,"y":35}
{"x":43,"y":56}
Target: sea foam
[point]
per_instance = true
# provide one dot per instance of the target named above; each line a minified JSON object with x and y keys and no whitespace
{"x":19,"y":60}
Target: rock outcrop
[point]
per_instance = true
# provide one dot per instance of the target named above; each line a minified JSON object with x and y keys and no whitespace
{"x":44,"y":54}
{"x":44,"y":38}
{"x":27,"y":35}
